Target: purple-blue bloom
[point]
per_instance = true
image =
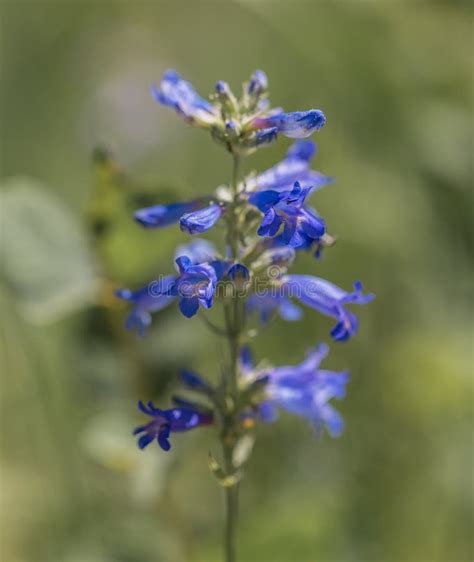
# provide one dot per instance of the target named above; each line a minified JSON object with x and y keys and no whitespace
{"x":296,"y":125}
{"x":160,"y":216}
{"x":286,"y":208}
{"x":195,"y":285}
{"x":183,"y":98}
{"x":294,"y":167}
{"x":304,"y":390}
{"x":165,"y":422}
{"x":200,"y":221}
{"x":194,"y":381}
{"x":329,"y":299}
{"x":145,"y":302}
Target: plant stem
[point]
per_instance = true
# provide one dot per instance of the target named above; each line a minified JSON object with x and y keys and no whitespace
{"x":233,"y":328}
{"x":231,"y":507}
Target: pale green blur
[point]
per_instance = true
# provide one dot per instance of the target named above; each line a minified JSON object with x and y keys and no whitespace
{"x":395,"y":82}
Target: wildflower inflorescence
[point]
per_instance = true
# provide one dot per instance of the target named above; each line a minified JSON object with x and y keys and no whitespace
{"x":268,"y":221}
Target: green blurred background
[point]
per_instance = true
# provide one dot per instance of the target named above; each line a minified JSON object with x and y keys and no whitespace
{"x":395,"y":81}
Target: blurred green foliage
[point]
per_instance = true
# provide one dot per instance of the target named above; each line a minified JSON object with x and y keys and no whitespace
{"x":395,"y":81}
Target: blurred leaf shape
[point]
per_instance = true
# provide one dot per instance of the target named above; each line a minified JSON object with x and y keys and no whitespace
{"x":46,"y":261}
{"x":108,"y":440}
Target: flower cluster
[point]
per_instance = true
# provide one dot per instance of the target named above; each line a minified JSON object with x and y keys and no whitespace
{"x":269,"y":221}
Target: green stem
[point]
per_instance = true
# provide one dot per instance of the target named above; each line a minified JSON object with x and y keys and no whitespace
{"x":233,"y":328}
{"x":231,"y":507}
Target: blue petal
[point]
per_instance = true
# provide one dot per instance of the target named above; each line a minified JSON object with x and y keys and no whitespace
{"x":183,"y":263}
{"x":246,"y":360}
{"x":346,"y":328}
{"x":145,"y":440}
{"x":333,"y":420}
{"x":289,"y":311}
{"x":125,"y":294}
{"x":189,"y":306}
{"x":238,"y":272}
{"x":265,"y":136}
{"x":182,"y":97}
{"x":302,"y":150}
{"x":194,"y":381}
{"x":160,"y":216}
{"x":271,"y":223}
{"x":313,"y":226}
{"x":264,"y":200}
{"x":220,"y":267}
{"x":298,"y":124}
{"x":162,"y":438}
{"x":268,"y":412}
{"x":139,"y":429}
{"x":202,"y":220}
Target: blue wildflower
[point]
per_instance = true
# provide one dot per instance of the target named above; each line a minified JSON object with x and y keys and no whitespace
{"x":201,"y":221}
{"x":182,"y":97}
{"x":195,"y":285}
{"x":304,"y":390}
{"x":146,"y":301}
{"x":329,"y":299}
{"x":296,"y":125}
{"x":286,"y":208}
{"x":194,"y":381}
{"x":294,"y":167}
{"x":165,"y":422}
{"x":160,"y":216}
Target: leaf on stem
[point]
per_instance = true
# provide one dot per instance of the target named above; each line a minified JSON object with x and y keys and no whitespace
{"x":224,"y":480}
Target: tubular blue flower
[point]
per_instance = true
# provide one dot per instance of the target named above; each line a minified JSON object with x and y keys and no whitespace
{"x":145,"y":301}
{"x":194,"y":381}
{"x":305,"y":390}
{"x":195,"y":285}
{"x":296,"y":125}
{"x":182,"y":97}
{"x":258,"y":83}
{"x":165,"y":422}
{"x":160,"y":216}
{"x":300,"y":224}
{"x":294,"y":167}
{"x":270,"y":302}
{"x":198,"y":251}
{"x":329,"y":299}
{"x":201,"y":221}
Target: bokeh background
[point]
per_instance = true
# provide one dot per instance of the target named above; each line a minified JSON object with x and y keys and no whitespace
{"x":83,"y":145}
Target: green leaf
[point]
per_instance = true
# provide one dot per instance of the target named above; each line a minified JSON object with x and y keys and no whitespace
{"x":47,"y":265}
{"x":243,"y":450}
